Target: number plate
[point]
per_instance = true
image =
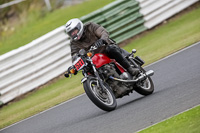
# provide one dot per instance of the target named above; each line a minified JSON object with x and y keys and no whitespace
{"x":79,"y":63}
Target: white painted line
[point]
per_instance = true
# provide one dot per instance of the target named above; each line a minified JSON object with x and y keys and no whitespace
{"x":167,"y":118}
{"x":84,"y":93}
{"x":174,"y":54}
{"x":43,"y":111}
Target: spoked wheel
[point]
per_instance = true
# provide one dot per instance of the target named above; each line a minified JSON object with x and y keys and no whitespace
{"x":103,"y":99}
{"x":103,"y":96}
{"x":145,"y":87}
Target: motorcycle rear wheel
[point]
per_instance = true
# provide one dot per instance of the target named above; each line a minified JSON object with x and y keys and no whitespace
{"x":145,"y":87}
{"x":104,"y":100}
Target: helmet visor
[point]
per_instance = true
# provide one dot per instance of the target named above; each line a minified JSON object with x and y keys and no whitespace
{"x":75,"y":32}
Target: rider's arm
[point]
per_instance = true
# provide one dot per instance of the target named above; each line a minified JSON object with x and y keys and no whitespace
{"x":74,"y":51}
{"x":100,"y":32}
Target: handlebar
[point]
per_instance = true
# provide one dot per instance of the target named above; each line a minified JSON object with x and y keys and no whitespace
{"x":93,"y":47}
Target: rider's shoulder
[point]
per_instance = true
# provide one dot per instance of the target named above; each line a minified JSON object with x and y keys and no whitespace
{"x":91,"y":24}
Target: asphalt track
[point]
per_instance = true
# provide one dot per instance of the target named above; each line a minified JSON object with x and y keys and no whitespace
{"x":177,"y":88}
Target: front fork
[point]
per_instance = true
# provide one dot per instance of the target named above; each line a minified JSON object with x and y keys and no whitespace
{"x":99,"y":80}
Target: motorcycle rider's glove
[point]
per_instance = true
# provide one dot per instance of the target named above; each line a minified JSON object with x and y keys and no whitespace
{"x":100,"y":42}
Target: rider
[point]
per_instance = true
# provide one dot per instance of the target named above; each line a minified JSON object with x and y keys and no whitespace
{"x":83,"y":36}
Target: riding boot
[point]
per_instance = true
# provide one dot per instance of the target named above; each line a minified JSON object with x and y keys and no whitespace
{"x":133,"y":71}
{"x":116,"y":53}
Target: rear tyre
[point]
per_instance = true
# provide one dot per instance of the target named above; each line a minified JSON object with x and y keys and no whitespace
{"x":145,"y":87}
{"x":104,"y":100}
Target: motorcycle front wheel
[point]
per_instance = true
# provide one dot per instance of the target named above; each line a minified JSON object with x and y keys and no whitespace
{"x":105,"y":100}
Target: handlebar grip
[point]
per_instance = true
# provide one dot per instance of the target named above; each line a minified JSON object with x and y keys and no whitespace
{"x":67,"y":75}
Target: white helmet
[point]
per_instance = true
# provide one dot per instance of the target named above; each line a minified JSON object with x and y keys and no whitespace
{"x":74,"y":28}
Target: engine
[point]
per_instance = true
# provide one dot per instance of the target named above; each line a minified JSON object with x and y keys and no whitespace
{"x":120,"y":89}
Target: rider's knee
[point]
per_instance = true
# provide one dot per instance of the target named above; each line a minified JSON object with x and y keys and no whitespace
{"x":112,"y":49}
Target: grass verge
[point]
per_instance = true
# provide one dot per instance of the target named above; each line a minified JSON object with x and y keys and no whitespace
{"x":187,"y":122}
{"x":40,"y":100}
{"x":155,"y":44}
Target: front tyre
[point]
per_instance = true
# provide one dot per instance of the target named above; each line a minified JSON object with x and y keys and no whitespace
{"x":104,"y":100}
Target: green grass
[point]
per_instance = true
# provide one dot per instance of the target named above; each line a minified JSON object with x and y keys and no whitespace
{"x":187,"y":122}
{"x":35,"y":102}
{"x":177,"y":34}
{"x":37,"y":26}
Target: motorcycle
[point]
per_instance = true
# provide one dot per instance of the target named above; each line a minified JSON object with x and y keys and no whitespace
{"x":105,"y":80}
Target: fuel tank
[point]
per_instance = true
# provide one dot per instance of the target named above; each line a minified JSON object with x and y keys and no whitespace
{"x":100,"y":59}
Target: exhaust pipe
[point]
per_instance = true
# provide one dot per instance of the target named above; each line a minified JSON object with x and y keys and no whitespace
{"x":147,"y":74}
{"x":140,"y":78}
